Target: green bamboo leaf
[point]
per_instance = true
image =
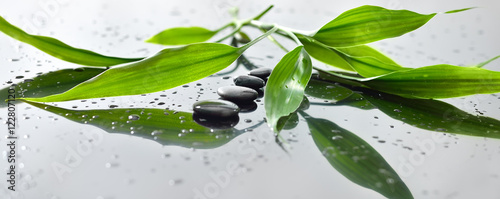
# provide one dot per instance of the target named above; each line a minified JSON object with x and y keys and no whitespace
{"x":369,"y":62}
{"x":367,"y":24}
{"x":325,"y":54}
{"x":327,"y":91}
{"x":362,"y":59}
{"x":167,"y":69}
{"x":182,"y":35}
{"x":438,"y":81}
{"x":355,"y":159}
{"x":166,"y":127}
{"x":61,"y":50}
{"x":50,"y":83}
{"x":285,"y":87}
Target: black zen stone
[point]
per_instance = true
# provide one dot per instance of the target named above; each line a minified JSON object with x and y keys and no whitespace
{"x":249,"y":81}
{"x":263,"y":73}
{"x":216,"y":108}
{"x":237,"y":94}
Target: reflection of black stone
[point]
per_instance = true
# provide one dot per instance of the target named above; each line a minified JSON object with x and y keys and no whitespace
{"x":216,"y":122}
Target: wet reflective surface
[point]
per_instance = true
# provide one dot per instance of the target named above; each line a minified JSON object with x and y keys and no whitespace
{"x":153,"y":146}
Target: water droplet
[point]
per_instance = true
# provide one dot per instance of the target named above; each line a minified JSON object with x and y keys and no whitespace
{"x":134,"y":117}
{"x":337,"y":137}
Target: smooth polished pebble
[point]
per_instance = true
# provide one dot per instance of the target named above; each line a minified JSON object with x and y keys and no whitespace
{"x":261,"y":72}
{"x":237,"y":94}
{"x":249,"y":81}
{"x":216,"y":108}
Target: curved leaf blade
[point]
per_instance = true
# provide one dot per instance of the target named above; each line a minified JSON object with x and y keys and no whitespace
{"x":355,"y":159}
{"x":367,"y":24}
{"x":61,"y":50}
{"x":364,"y":60}
{"x":160,"y":125}
{"x":182,"y":36}
{"x":285,"y":87}
{"x":326,"y":55}
{"x":437,"y":81}
{"x":369,"y":62}
{"x":169,"y":68}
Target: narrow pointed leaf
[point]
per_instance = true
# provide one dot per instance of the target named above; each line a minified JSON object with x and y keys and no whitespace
{"x":355,"y":159}
{"x":362,"y":59}
{"x":367,"y":24}
{"x":487,"y":62}
{"x":459,"y":10}
{"x":438,"y":81}
{"x":61,"y":50}
{"x":369,"y":62}
{"x":166,"y":127}
{"x":285,"y":87}
{"x":51,"y":83}
{"x":182,"y":35}
{"x":326,"y":55}
{"x":169,"y":68}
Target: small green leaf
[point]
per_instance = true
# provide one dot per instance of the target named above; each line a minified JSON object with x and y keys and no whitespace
{"x":61,"y":50}
{"x":182,"y":35}
{"x":355,"y":159}
{"x":160,"y":125}
{"x":51,"y":83}
{"x":438,"y":81}
{"x":369,"y":62}
{"x":285,"y":87}
{"x":367,"y":24}
{"x":169,"y":68}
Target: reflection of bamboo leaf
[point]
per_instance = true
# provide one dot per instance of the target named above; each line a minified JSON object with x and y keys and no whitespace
{"x":51,"y":83}
{"x":163,"y":126}
{"x":433,"y":115}
{"x":339,"y":95}
{"x":423,"y":113}
{"x":356,"y":159}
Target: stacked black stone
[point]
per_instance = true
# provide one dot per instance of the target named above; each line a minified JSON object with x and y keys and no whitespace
{"x":234,"y":99}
